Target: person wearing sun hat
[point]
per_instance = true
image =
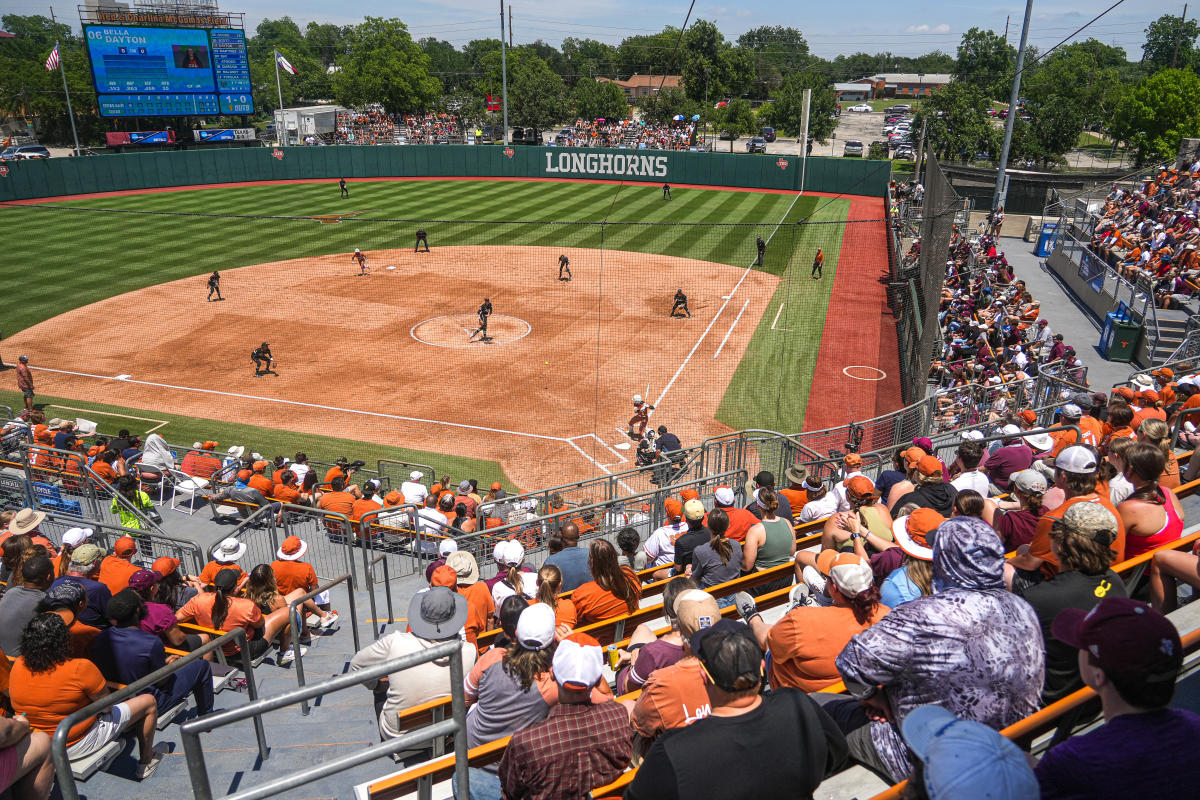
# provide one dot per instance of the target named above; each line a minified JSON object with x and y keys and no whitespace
{"x":224,"y":556}
{"x":958,"y":758}
{"x":434,"y":616}
{"x":1131,"y":655}
{"x":480,"y":607}
{"x":291,"y":574}
{"x":931,"y":490}
{"x":914,"y":577}
{"x":580,"y":744}
{"x":806,"y":640}
{"x":786,"y":745}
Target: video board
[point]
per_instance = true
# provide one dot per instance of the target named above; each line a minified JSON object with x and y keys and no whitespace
{"x":147,"y":72}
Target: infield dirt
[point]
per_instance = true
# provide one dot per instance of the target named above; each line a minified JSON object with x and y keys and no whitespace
{"x":386,"y":357}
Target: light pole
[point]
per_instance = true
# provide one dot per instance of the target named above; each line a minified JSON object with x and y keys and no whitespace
{"x":998,"y":195}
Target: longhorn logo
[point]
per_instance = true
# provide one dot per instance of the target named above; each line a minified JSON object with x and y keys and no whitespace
{"x":782,"y":163}
{"x":277,"y":154}
{"x":508,"y":152}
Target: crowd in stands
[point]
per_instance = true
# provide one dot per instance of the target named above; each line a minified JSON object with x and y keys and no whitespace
{"x":629,"y":133}
{"x":1151,"y":233}
{"x":375,"y":126}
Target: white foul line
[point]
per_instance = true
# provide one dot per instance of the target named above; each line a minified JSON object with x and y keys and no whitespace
{"x":310,"y":405}
{"x":731,"y":327}
{"x":729,"y":297}
{"x":113,"y":414}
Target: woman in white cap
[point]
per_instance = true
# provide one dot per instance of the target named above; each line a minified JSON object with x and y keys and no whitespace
{"x":515,"y":580}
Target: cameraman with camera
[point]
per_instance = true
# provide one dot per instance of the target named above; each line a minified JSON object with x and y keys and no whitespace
{"x":343,"y":468}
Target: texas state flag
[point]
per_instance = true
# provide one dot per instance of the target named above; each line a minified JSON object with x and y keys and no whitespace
{"x":283,"y":62}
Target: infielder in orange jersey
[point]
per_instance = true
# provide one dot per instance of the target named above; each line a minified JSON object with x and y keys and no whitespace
{"x":361,"y":260}
{"x":818,"y":265}
{"x":640,"y":418}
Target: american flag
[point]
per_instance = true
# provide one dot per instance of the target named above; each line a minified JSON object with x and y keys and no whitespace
{"x":52,"y":60}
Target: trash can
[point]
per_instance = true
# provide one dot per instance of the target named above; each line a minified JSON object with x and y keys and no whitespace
{"x":1045,"y":242}
{"x":1120,"y":337}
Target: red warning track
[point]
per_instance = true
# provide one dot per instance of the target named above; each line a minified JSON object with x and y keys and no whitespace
{"x":331,"y":181}
{"x":859,"y":360}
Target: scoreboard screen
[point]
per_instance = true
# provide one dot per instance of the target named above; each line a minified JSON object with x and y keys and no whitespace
{"x":144,"y":72}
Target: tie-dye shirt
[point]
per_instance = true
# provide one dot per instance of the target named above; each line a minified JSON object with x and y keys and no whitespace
{"x":971,"y":647}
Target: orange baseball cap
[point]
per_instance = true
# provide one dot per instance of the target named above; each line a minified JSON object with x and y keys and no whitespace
{"x":445,"y":575}
{"x":1164,"y":372}
{"x":860,"y":486}
{"x":1150,"y":396}
{"x":165,"y":565}
{"x":496,"y":486}
{"x":244,"y":474}
{"x":673,"y":507}
{"x":913,"y":456}
{"x":689,"y":494}
{"x":1123,"y":391}
{"x":258,"y":466}
{"x":828,"y":559}
{"x":853,"y":459}
{"x":929,"y":465}
{"x":393,"y":498}
{"x":125,"y":546}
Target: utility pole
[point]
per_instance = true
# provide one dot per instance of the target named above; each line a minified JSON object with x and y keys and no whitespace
{"x":503,"y":73}
{"x":1001,"y":187}
{"x":1006,"y":19}
{"x":62,"y":68}
{"x":510,"y":44}
{"x":1178,"y":33}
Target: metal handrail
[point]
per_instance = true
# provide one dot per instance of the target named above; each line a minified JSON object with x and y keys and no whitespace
{"x":456,"y":726}
{"x":294,"y":619}
{"x":1183,"y":414}
{"x":387,"y":590}
{"x":58,"y":744}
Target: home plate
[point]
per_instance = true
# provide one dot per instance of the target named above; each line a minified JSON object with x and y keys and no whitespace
{"x":622,"y":445}
{"x":392,"y":267}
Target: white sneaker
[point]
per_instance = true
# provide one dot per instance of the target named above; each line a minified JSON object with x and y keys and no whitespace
{"x":329,"y":621}
{"x":799,"y":596}
{"x":288,"y":656}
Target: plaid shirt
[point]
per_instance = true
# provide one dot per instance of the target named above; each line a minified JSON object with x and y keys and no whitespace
{"x":575,"y":749}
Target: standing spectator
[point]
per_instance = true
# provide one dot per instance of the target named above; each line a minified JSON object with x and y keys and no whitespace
{"x":19,"y":604}
{"x":1082,"y":542}
{"x":125,"y":653}
{"x":434,"y":616}
{"x":572,"y":560}
{"x":785,"y":744}
{"x":1130,"y":655}
{"x":25,"y":382}
{"x":47,"y":686}
{"x":137,"y":505}
{"x":580,"y":744}
{"x":613,"y":590}
{"x":971,"y":647}
{"x":116,"y":569}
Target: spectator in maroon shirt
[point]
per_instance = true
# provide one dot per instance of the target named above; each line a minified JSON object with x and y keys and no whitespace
{"x":1016,"y":519}
{"x":1012,"y":456}
{"x":580,"y":744}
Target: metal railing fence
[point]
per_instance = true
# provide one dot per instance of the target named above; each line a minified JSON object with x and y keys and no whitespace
{"x":297,"y":626}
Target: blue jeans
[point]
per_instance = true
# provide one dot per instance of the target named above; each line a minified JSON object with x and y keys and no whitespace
{"x":194,"y":679}
{"x":484,"y":785}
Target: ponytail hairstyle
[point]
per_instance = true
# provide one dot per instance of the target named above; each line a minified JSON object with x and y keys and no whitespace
{"x":1156,"y":432}
{"x":549,"y":582}
{"x":768,"y":500}
{"x":718,"y":524}
{"x":221,"y":604}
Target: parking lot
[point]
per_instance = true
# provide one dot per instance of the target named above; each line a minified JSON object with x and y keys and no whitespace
{"x":866,"y":128}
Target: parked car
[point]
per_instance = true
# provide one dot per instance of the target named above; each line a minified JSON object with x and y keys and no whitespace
{"x":728,"y":136}
{"x":768,"y":134}
{"x":756,"y":145}
{"x":905,"y":151}
{"x":25,"y":151}
{"x":853,"y":147}
{"x":903,"y":108}
{"x":861,"y":108}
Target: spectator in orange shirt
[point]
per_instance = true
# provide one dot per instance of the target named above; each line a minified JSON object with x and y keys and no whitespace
{"x":292,"y":574}
{"x":200,"y":462}
{"x":480,"y":608}
{"x":278,"y":467}
{"x":285,"y":490}
{"x":343,"y":469}
{"x":741,"y":520}
{"x":223,"y":610}
{"x":259,"y":481}
{"x":613,"y":591}
{"x":224,"y":556}
{"x":796,"y":494}
{"x":368,"y":502}
{"x":337,"y":500}
{"x":1118,"y":426}
{"x":103,"y":466}
{"x":116,"y":569}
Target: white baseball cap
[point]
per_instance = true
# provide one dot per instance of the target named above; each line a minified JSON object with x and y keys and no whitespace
{"x":535,"y":627}
{"x":416,"y":475}
{"x":724,"y":496}
{"x":1010,"y":430}
{"x":1077,"y":460}
{"x":576,"y":666}
{"x":76,"y":536}
{"x":513,"y":552}
{"x":447,"y":547}
{"x":852,"y":579}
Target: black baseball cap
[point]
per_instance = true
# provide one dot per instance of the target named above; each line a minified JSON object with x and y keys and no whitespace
{"x":765,"y":478}
{"x":730,"y":655}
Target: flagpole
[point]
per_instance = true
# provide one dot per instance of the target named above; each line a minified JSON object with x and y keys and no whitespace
{"x":504,"y":73}
{"x":62,"y":67}
{"x":280,"y":132}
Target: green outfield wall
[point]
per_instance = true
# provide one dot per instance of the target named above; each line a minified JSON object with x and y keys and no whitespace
{"x":23,"y":180}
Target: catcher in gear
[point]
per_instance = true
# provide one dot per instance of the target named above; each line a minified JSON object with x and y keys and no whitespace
{"x":640,"y":418}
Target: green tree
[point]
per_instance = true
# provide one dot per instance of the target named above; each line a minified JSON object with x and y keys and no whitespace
{"x":590,"y":58}
{"x":1159,"y":112}
{"x":447,"y":64}
{"x":984,"y":59}
{"x":1171,"y":41}
{"x":713,"y":69}
{"x":313,"y":81}
{"x":537,"y":97}
{"x":649,"y":54}
{"x":599,"y":99}
{"x":775,"y":51}
{"x":786,"y":109}
{"x":736,"y":116}
{"x":956,"y":122}
{"x":663,"y":106}
{"x":326,"y":42}
{"x":31,"y":94}
{"x":1075,"y":87}
{"x":384,"y":65}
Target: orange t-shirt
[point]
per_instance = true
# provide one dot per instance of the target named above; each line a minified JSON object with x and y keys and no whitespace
{"x":673,"y":697}
{"x":115,"y":573}
{"x":209,"y":573}
{"x":1149,"y":412}
{"x":262,"y":483}
{"x":480,"y":608}
{"x":286,"y":494}
{"x":1040,"y":546}
{"x":334,"y":472}
{"x":361,"y":507}
{"x":81,"y":639}
{"x":806,"y":641}
{"x":241,"y":613}
{"x":47,"y":698}
{"x":1170,"y":476}
{"x":797,"y":497}
{"x":105,"y":471}
{"x":741,"y":520}
{"x":293,"y":575}
{"x":593,"y":604}
{"x":337,"y":503}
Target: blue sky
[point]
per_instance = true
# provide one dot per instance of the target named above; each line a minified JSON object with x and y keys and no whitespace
{"x":904,"y":28}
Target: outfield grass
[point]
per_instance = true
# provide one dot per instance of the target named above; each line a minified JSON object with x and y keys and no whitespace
{"x":59,"y":259}
{"x":770,"y":388}
{"x":180,"y":430}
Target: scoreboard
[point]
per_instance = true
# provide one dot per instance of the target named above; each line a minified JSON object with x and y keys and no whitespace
{"x":151,"y":72}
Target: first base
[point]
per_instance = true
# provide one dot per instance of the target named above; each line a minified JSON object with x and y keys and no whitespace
{"x":622,"y":445}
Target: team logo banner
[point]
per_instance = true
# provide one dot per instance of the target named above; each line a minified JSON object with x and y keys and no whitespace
{"x":615,"y":164}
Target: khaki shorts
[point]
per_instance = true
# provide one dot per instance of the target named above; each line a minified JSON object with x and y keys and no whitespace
{"x":108,"y":727}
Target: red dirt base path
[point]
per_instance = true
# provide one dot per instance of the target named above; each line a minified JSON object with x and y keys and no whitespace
{"x":859,"y":362}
